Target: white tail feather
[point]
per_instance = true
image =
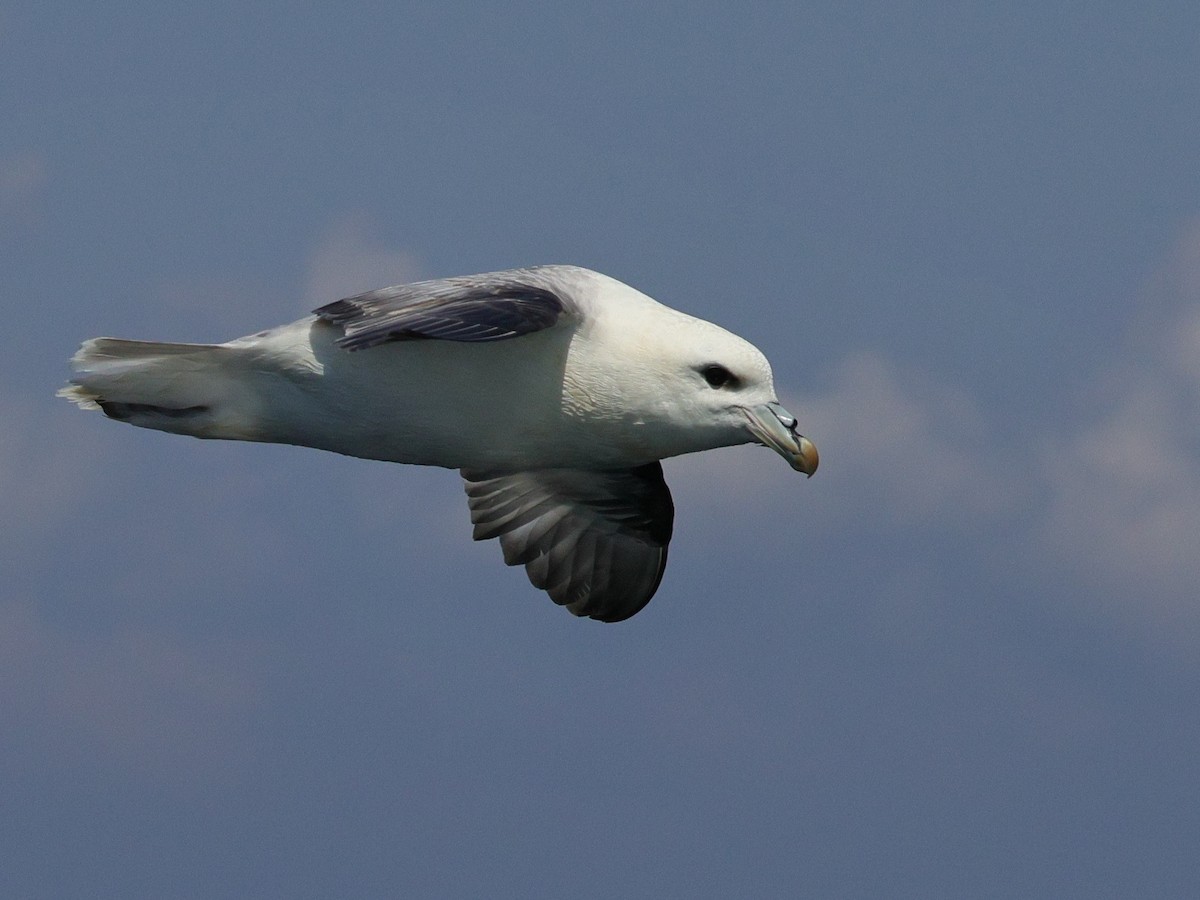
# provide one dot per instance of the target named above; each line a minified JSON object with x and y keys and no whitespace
{"x":182,"y":388}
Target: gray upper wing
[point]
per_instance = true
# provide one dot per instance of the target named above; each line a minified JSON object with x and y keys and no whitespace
{"x":595,"y":541}
{"x":490,"y":307}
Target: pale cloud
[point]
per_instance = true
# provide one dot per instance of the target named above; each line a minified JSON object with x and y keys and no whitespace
{"x":1124,"y":510}
{"x":348,"y":259}
{"x":908,"y":448}
{"x":1125,"y":500}
{"x":22,"y":183}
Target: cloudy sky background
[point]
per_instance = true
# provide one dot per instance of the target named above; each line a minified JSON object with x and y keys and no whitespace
{"x":962,"y":660}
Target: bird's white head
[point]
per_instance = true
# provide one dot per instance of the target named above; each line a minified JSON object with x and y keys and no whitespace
{"x":678,"y":384}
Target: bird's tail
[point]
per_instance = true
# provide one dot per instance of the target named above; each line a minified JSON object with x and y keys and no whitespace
{"x":182,"y":388}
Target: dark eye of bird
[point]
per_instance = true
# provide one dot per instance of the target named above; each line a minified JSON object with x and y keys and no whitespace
{"x":718,"y":376}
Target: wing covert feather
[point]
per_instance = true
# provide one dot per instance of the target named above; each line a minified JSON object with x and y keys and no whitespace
{"x":493,"y":307}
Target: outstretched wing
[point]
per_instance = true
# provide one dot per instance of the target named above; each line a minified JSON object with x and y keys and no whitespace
{"x":596,"y":542}
{"x":490,"y":307}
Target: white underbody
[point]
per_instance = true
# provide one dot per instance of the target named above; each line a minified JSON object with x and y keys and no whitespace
{"x":507,"y":405}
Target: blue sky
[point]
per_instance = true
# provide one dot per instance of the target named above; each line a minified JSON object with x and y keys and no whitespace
{"x":962,"y":660}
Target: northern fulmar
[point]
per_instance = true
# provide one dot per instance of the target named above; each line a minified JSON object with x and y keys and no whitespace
{"x":555,"y":391}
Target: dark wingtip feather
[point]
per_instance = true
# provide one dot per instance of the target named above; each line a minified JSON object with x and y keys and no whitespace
{"x":596,"y":542}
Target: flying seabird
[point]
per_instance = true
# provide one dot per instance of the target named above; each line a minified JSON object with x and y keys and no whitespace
{"x":555,"y":390}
